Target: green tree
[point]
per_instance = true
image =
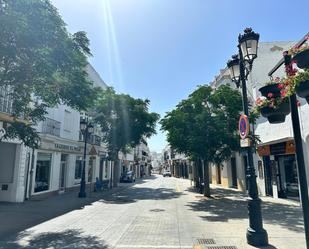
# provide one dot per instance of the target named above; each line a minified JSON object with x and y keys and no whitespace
{"x":204,"y":127}
{"x":124,"y":121}
{"x":41,"y":64}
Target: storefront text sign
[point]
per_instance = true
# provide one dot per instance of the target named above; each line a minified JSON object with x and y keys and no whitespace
{"x":67,"y":147}
{"x":264,"y":150}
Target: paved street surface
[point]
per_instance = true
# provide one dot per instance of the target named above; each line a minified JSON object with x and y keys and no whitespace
{"x":154,"y":213}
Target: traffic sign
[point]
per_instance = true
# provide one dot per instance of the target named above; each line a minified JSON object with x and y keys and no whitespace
{"x":2,"y":132}
{"x":245,"y":142}
{"x":243,"y":126}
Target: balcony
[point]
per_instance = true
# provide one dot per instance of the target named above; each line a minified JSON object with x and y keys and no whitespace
{"x":5,"y":100}
{"x":51,"y":127}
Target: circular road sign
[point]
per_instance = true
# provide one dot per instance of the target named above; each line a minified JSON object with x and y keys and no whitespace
{"x":243,"y":126}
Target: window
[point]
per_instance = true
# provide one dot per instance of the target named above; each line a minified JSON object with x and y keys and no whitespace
{"x":78,"y":167}
{"x":68,"y":121}
{"x":42,"y":176}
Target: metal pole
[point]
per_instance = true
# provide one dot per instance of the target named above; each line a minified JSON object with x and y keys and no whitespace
{"x":82,"y":191}
{"x":256,"y":234}
{"x":299,"y":155}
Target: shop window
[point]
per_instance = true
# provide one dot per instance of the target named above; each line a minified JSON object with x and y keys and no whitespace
{"x":78,"y":167}
{"x":42,"y":176}
{"x":260,"y":169}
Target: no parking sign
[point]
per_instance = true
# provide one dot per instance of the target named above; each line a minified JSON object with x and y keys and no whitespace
{"x":243,"y":126}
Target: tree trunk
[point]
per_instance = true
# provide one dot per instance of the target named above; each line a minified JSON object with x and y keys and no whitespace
{"x":206,"y":178}
{"x":200,"y":175}
{"x":196,"y":174}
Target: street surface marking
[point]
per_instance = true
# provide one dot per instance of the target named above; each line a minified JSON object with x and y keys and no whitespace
{"x":197,"y":247}
{"x":178,"y":188}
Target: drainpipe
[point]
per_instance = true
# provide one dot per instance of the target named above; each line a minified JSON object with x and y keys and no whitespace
{"x":31,"y":174}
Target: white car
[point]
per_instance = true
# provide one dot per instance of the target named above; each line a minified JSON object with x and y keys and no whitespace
{"x":167,"y":173}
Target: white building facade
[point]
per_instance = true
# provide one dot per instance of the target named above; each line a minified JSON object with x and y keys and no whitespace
{"x":56,"y":166}
{"x":275,"y":158}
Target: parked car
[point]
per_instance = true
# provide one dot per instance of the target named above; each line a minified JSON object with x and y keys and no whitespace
{"x":127,"y":177}
{"x":167,"y":173}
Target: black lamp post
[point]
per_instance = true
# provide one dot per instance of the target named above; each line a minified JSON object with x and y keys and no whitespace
{"x":239,"y":67}
{"x":86,"y":128}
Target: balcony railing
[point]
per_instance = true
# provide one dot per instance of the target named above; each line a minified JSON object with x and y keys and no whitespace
{"x":51,"y":127}
{"x":6,"y":100}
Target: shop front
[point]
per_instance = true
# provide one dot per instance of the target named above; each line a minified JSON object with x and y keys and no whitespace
{"x":57,"y":166}
{"x":280,"y":169}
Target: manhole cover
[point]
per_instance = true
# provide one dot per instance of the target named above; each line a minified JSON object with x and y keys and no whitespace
{"x":205,"y":241}
{"x":157,"y":210}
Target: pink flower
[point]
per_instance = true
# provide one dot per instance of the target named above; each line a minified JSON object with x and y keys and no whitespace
{"x":270,"y":95}
{"x":283,"y":93}
{"x":280,"y":86}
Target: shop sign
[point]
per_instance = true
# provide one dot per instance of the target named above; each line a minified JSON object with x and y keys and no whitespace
{"x":290,"y":147}
{"x":264,"y":150}
{"x":243,"y":126}
{"x":245,"y":142}
{"x":93,"y":151}
{"x":67,"y":147}
{"x":277,"y":149}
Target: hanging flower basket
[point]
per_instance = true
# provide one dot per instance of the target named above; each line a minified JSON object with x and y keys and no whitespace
{"x":302,"y":90}
{"x":301,"y":84}
{"x":302,"y":58}
{"x":272,"y":89}
{"x":276,"y":115}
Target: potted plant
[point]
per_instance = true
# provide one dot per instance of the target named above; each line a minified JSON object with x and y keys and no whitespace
{"x":300,"y":55}
{"x":272,"y":88}
{"x":301,"y":84}
{"x":274,"y":109}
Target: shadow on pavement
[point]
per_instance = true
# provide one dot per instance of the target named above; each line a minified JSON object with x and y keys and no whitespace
{"x":141,"y":193}
{"x":72,"y":239}
{"x":228,"y":204}
{"x":20,"y":216}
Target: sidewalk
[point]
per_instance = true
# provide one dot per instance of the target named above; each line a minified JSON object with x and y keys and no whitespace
{"x":226,"y":219}
{"x":16,"y":217}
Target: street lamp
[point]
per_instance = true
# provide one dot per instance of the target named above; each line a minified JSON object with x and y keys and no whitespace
{"x":86,"y":129}
{"x":239,"y":68}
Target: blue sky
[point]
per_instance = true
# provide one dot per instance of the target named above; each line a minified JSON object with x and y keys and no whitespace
{"x":163,"y":49}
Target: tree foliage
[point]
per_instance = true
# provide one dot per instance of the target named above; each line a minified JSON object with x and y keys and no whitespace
{"x":41,"y":64}
{"x":203,"y":126}
{"x":124,"y":120}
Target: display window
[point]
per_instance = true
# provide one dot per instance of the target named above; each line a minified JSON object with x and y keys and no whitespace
{"x":42,"y":176}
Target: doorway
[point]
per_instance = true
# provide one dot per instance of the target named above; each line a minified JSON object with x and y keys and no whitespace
{"x":63,"y":169}
{"x":268,"y":176}
{"x":218,"y":174}
{"x":234,"y":172}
